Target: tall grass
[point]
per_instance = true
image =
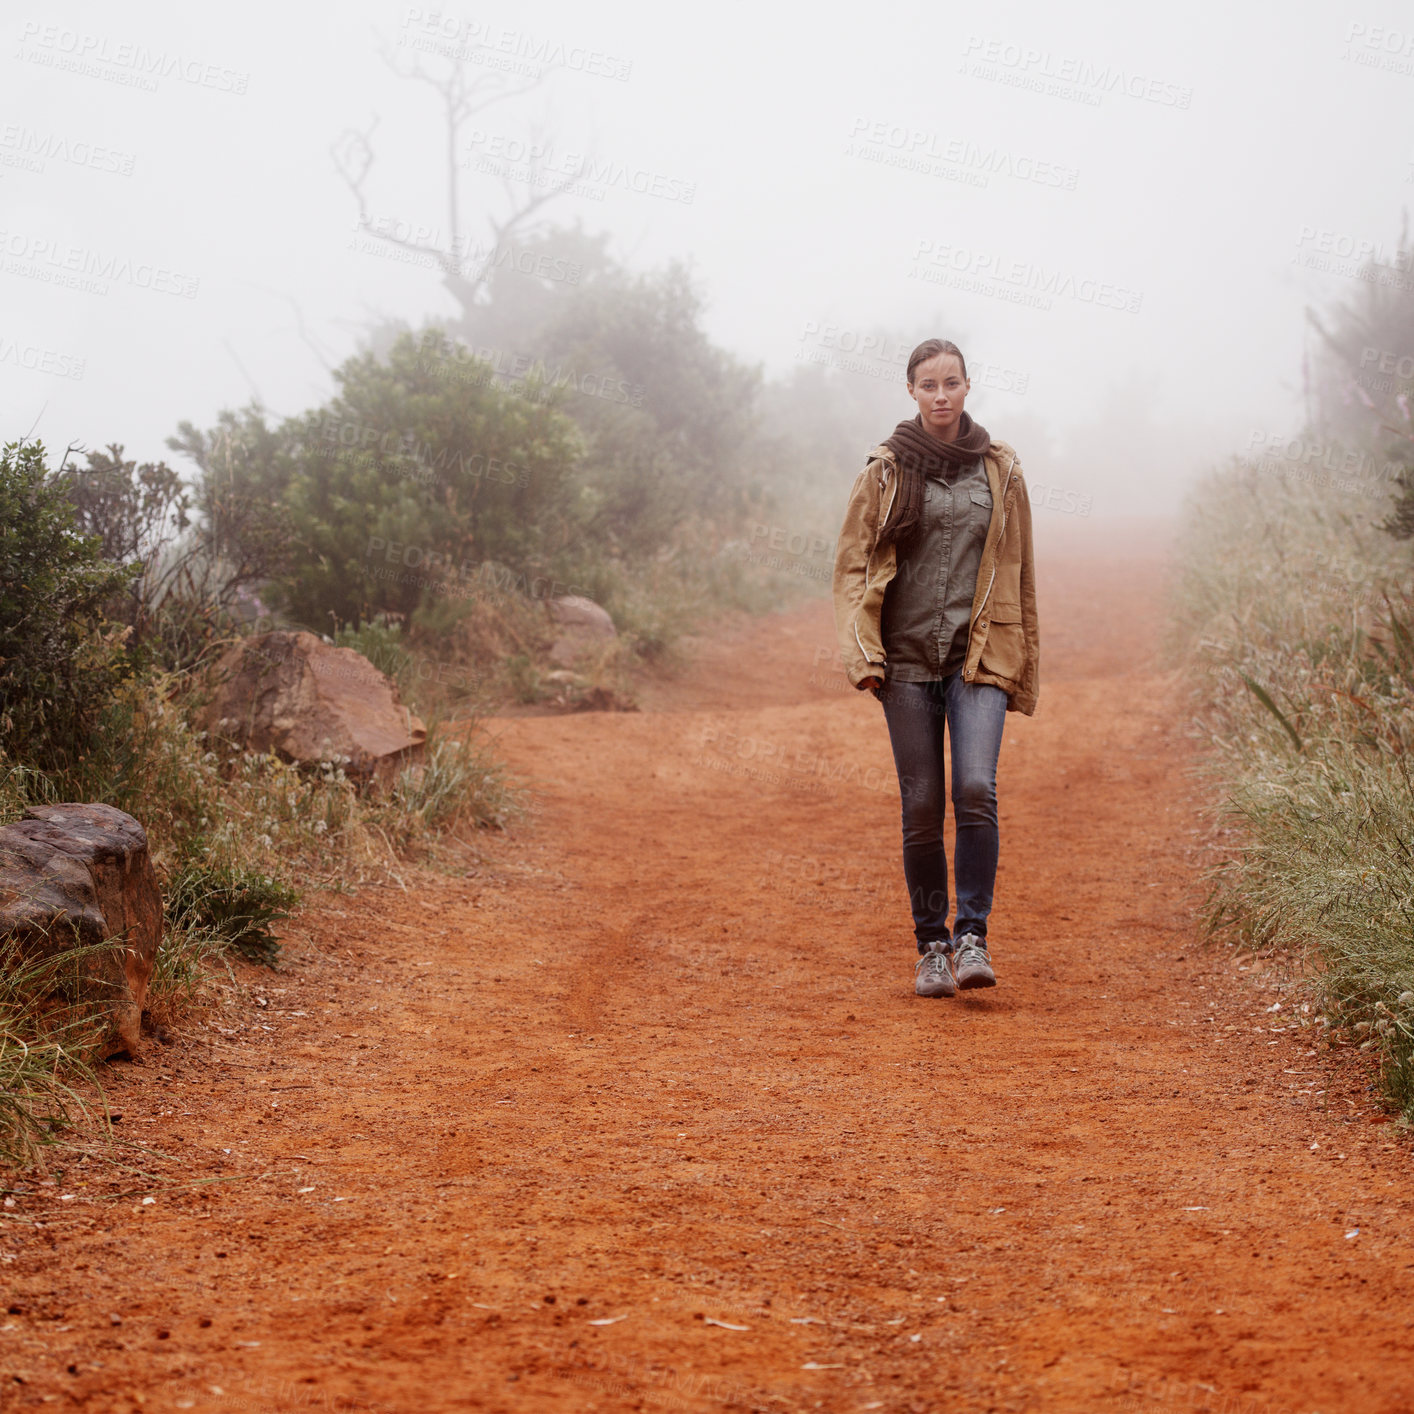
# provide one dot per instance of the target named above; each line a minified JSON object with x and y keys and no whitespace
{"x":1294,"y":616}
{"x":47,"y":1037}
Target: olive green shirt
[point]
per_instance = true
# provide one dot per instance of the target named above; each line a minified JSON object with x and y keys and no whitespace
{"x":929,"y":601}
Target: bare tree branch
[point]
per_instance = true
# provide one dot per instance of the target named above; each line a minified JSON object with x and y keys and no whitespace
{"x":462,"y":97}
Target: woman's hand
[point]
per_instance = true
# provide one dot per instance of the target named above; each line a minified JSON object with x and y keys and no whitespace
{"x":875,"y":685}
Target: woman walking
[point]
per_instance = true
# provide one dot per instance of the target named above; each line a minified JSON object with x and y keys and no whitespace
{"x":935,"y":606}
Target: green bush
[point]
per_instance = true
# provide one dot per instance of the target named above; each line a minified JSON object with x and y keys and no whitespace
{"x":420,"y":469}
{"x":60,"y":659}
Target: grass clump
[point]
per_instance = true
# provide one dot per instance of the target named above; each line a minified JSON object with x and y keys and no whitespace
{"x":47,"y":1038}
{"x":226,"y":906}
{"x":1296,"y":619}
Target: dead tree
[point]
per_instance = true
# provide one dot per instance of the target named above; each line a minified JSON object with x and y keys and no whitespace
{"x":463,"y":95}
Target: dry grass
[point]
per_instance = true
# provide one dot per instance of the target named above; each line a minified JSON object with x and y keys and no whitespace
{"x":1294,"y":615}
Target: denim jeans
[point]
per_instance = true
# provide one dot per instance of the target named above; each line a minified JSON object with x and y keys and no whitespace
{"x":973,"y":715}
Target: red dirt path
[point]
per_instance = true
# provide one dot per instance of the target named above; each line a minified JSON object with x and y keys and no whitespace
{"x":639,"y":1067}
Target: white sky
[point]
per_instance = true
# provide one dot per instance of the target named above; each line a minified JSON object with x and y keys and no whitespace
{"x":1199,"y":209}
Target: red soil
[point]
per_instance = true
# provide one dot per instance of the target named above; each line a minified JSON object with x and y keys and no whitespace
{"x":612,"y":1122}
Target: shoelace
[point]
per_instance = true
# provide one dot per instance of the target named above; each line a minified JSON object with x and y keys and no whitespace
{"x":971,"y":952}
{"x":935,"y":963}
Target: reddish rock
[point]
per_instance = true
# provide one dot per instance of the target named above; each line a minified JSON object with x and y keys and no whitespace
{"x":308,"y":701}
{"x":82,"y":875}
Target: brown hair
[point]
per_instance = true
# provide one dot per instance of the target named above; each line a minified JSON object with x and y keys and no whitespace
{"x":931,"y":348}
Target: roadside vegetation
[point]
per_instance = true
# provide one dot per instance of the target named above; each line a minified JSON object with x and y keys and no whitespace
{"x":112,"y":602}
{"x":458,"y":479}
{"x":1296,"y":615}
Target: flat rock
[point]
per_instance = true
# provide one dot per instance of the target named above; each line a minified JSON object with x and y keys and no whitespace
{"x":79,"y":875}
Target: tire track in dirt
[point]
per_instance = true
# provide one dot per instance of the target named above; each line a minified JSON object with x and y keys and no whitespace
{"x":658,"y":1059}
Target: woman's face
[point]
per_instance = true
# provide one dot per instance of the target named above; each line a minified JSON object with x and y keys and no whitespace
{"x":940,"y":391}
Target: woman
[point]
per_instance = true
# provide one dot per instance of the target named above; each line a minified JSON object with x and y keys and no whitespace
{"x":935,"y":605}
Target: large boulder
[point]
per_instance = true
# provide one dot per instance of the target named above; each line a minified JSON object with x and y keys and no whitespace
{"x":581,"y":626}
{"x":308,"y":701}
{"x":80,"y":875}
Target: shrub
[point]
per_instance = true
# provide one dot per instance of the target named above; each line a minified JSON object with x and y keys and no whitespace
{"x":420,"y":465}
{"x":60,"y":660}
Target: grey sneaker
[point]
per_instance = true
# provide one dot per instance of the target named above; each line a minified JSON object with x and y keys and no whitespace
{"x":932,"y":974}
{"x":973,"y":963}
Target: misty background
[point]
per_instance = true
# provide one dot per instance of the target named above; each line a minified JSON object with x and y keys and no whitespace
{"x":1175,"y":207}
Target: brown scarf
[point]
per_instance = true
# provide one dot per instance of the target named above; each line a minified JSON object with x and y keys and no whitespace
{"x":920,"y":454}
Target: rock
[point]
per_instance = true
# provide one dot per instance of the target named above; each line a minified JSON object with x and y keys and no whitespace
{"x":79,"y":875}
{"x":583,"y":627}
{"x":309,"y":702}
{"x":575,"y":611}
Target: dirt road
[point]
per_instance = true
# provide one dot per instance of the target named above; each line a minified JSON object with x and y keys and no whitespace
{"x":643,"y":1113}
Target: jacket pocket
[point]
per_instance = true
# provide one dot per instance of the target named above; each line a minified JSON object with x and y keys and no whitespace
{"x":1004,"y":652}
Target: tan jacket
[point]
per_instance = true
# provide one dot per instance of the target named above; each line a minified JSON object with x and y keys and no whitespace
{"x":1003,"y":642}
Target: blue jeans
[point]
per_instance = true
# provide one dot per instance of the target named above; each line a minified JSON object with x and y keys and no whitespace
{"x":973,"y":715}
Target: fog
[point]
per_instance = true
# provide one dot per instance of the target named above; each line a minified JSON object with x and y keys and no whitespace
{"x":1121,"y":216}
